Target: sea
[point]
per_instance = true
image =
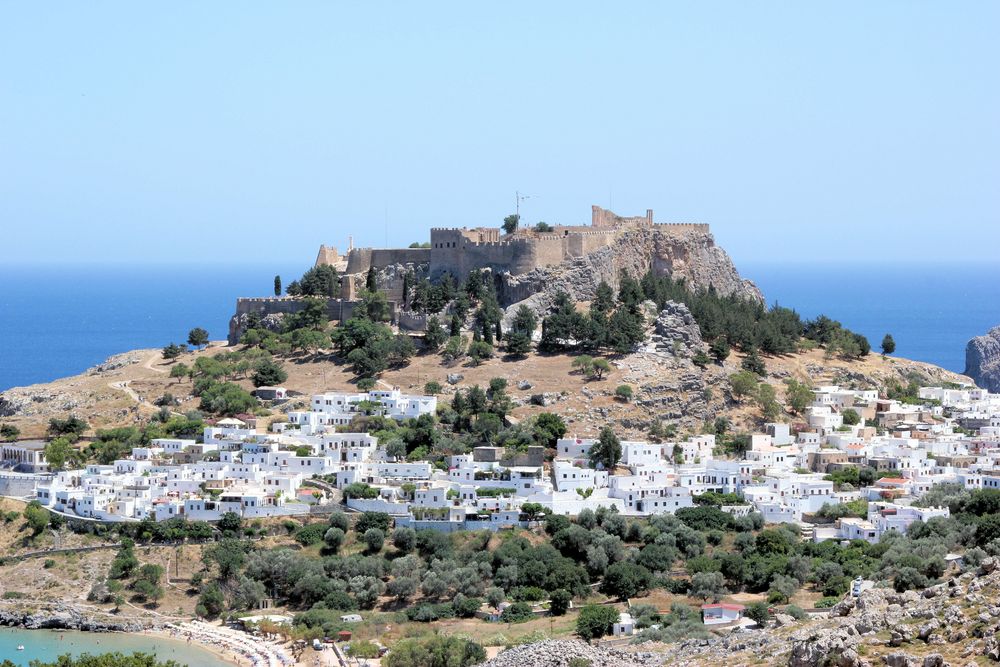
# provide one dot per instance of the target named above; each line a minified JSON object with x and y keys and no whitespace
{"x":47,"y":645}
{"x":60,"y":320}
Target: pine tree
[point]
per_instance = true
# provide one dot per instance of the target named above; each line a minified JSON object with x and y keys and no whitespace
{"x":371,"y":282}
{"x":888,"y":344}
{"x":277,"y":286}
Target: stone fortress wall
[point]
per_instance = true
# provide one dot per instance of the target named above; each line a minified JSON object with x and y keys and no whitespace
{"x":459,"y":250}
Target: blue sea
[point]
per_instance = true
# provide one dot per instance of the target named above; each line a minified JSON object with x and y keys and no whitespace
{"x":49,"y":644}
{"x":58,"y":321}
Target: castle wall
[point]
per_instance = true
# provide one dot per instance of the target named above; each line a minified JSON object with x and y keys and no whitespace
{"x":336,"y":309}
{"x":359,"y":260}
{"x":601,"y":217}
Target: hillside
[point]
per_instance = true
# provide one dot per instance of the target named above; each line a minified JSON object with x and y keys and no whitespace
{"x":121,"y":390}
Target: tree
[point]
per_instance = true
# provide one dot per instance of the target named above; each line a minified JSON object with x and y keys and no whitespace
{"x":371,"y":280}
{"x":769,"y":407}
{"x":334,"y":539}
{"x":543,"y":227}
{"x":595,"y":621}
{"x":719,"y":349}
{"x":753,"y":363}
{"x":268,"y":373}
{"x":758,"y":613}
{"x":510,"y":223}
{"x":600,"y":367}
{"x":707,"y":585}
{"x":211,"y":603}
{"x":230,"y":523}
{"x":374,"y":539}
{"x":60,"y":453}
{"x":9,"y":432}
{"x":37,"y":517}
{"x":435,"y":336}
{"x":625,"y":580}
{"x":172,"y":351}
{"x":584,"y":363}
{"x":888,"y":344}
{"x":559,"y":601}
{"x":798,"y":395}
{"x":180,"y":370}
{"x":480,"y":350}
{"x":851,"y":417}
{"x":277,"y":286}
{"x":198,"y":337}
{"x":607,"y":451}
{"x":404,"y":539}
{"x":743,"y":384}
{"x":435,"y":651}
{"x":782,"y":588}
{"x":700,"y":359}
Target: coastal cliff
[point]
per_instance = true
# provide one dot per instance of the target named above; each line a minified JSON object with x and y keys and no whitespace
{"x":982,"y":360}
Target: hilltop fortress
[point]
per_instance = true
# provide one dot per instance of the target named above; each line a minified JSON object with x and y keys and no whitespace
{"x":529,"y":265}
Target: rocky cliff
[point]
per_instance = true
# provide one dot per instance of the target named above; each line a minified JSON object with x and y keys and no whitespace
{"x":982,"y":360}
{"x":693,"y":256}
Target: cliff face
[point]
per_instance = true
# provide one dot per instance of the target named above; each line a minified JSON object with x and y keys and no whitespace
{"x":982,"y":360}
{"x":693,"y":256}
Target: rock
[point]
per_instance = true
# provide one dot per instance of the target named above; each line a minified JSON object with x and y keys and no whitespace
{"x":692,"y":256}
{"x":901,"y":660}
{"x":988,"y":564}
{"x":782,"y":620}
{"x":455,"y":378}
{"x":982,"y":360}
{"x":559,"y":653}
{"x":927,"y":628}
{"x":523,"y":385}
{"x":675,"y":332}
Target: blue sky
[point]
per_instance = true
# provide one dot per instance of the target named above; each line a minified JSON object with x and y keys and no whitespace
{"x":253,"y":131}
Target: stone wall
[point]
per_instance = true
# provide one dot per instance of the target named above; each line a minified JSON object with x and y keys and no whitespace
{"x":601,"y":217}
{"x":336,"y":309}
{"x":359,"y":260}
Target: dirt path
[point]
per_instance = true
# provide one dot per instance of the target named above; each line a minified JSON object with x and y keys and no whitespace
{"x":149,"y":363}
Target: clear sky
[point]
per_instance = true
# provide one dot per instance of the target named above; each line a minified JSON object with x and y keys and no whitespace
{"x":254,"y":131}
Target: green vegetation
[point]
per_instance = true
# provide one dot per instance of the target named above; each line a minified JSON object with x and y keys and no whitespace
{"x":103,"y":660}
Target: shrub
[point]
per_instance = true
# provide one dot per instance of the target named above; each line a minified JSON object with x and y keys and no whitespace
{"x":595,"y":621}
{"x":311,"y":534}
{"x":519,"y":612}
{"x":624,"y":392}
{"x":433,"y":651}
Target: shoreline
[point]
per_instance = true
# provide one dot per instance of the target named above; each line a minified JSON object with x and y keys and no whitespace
{"x":159,"y":636}
{"x":169,"y":635}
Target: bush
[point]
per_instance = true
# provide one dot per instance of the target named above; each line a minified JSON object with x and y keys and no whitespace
{"x":311,"y":534}
{"x":795,"y":612}
{"x":595,"y":621}
{"x":624,"y":392}
{"x":519,"y":612}
{"x":559,"y":602}
{"x":432,"y":388}
{"x":435,"y":651}
{"x":827,"y":602}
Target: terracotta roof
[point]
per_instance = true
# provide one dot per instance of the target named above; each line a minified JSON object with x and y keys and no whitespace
{"x":893,"y":480}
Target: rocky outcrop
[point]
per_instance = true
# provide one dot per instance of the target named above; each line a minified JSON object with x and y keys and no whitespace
{"x":675,"y":332}
{"x":982,"y":360}
{"x":239,"y":323}
{"x":69,"y":617}
{"x":691,"y":256}
{"x":563,"y":652}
